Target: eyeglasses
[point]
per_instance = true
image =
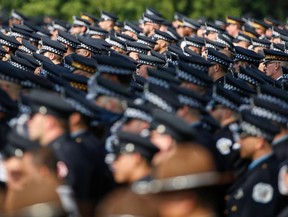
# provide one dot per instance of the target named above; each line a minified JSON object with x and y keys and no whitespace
{"x":215,"y":107}
{"x":269,"y":62}
{"x":244,"y":135}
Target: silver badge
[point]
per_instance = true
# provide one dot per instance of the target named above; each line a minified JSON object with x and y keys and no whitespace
{"x":224,"y":145}
{"x":239,"y":194}
{"x":262,"y":193}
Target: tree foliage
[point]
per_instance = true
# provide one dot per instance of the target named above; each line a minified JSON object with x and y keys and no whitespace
{"x":133,"y":9}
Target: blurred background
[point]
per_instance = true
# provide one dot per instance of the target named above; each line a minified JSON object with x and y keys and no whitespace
{"x":132,"y":10}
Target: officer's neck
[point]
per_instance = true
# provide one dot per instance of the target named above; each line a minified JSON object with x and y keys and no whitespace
{"x":228,"y":121}
{"x":143,"y":170}
{"x":262,"y":152}
{"x":78,"y":127}
{"x":51,"y":135}
{"x":283,"y":132}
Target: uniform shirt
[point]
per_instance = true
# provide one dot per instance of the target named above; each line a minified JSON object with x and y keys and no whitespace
{"x":229,"y":149}
{"x":205,"y":138}
{"x":256,"y":193}
{"x":280,"y":148}
{"x":73,"y":165}
{"x":100,"y":180}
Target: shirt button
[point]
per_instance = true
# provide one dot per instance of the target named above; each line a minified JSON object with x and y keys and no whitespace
{"x":78,"y":140}
{"x":234,"y":208}
{"x":227,"y":197}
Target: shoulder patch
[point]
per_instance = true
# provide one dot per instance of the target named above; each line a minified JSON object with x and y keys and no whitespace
{"x":262,"y":193}
{"x":239,"y":194}
{"x":236,"y":146}
{"x":283,"y":189}
{"x":224,"y":145}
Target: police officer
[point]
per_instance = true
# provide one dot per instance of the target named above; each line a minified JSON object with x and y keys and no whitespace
{"x":185,"y":184}
{"x":221,"y":64}
{"x":49,"y":126}
{"x":257,"y":189}
{"x":223,"y":107}
{"x":100,"y":180}
{"x":274,"y":60}
{"x":134,"y":156}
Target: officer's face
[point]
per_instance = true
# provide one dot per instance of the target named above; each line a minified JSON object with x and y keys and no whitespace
{"x":106,"y":25}
{"x":165,"y":144}
{"x":247,"y":146}
{"x":83,"y":52}
{"x":237,"y":65}
{"x":195,"y":49}
{"x":123,"y":168}
{"x":134,"y":55}
{"x":14,"y":170}
{"x":232,"y":29}
{"x":135,"y":126}
{"x":270,"y":68}
{"x":212,"y":36}
{"x":149,"y":28}
{"x":36,"y":127}
{"x":75,"y":29}
{"x":243,"y":44}
{"x":218,"y":112}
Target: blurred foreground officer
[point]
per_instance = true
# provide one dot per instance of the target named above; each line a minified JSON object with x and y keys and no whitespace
{"x":107,"y":21}
{"x":256,"y":193}
{"x":39,"y":167}
{"x":124,"y":202}
{"x":167,"y":133}
{"x":283,"y":186}
{"x":224,"y":107}
{"x":40,"y":209}
{"x":185,"y":184}
{"x":134,"y":156}
{"x":8,"y":109}
{"x":100,"y":179}
{"x":49,"y":126}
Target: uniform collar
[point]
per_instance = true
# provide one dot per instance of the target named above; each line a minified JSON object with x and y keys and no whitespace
{"x":77,"y":133}
{"x":258,"y":161}
{"x":280,"y":140}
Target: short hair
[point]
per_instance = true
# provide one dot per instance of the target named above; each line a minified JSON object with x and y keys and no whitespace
{"x":45,"y":156}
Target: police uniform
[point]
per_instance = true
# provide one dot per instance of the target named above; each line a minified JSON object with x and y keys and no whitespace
{"x":100,"y":181}
{"x":280,"y":148}
{"x":225,"y":143}
{"x":128,"y":143}
{"x":9,"y":109}
{"x":219,"y":58}
{"x":195,"y":101}
{"x":277,"y":114}
{"x":229,"y":149}
{"x":256,"y":192}
{"x":73,"y":164}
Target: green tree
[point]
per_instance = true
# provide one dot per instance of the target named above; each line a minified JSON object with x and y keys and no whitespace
{"x":133,"y":9}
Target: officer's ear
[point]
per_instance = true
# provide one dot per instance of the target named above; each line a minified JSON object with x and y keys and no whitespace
{"x":75,"y":118}
{"x":137,"y":158}
{"x":7,"y":49}
{"x":87,"y":53}
{"x":183,"y":111}
{"x":227,"y":112}
{"x":216,"y":67}
{"x":277,"y":65}
{"x":51,"y":56}
{"x":259,"y":143}
{"x":162,"y":43}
